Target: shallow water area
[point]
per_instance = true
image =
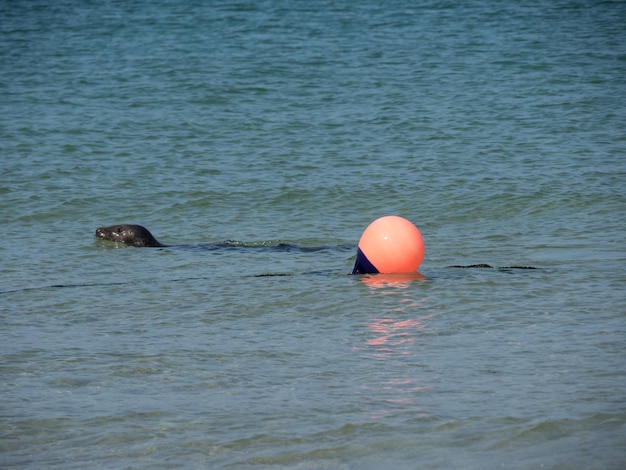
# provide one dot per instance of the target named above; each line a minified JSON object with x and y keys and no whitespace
{"x":259,"y":140}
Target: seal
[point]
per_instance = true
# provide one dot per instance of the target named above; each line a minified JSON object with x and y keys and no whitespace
{"x":129,"y":234}
{"x":138,"y":235}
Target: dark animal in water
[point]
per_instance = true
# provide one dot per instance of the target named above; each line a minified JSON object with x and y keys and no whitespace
{"x":138,"y":235}
{"x":134,"y":235}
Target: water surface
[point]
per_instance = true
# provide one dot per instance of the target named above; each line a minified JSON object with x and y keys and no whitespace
{"x":497,"y":129}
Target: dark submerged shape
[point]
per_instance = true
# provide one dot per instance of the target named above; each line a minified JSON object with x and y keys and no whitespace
{"x":138,"y":235}
{"x":488,"y":266}
{"x":134,"y":235}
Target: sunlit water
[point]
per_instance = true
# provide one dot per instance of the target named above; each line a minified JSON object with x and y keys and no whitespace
{"x":498,"y":129}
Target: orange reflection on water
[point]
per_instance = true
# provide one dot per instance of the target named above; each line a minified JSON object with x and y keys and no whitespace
{"x":392,"y":333}
{"x":397,"y":394}
{"x":400,"y":280}
{"x":393,"y":342}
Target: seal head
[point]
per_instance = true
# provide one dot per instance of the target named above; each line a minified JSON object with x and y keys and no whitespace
{"x":134,"y":235}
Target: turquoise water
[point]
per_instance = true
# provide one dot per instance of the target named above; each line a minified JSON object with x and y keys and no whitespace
{"x":497,"y":128}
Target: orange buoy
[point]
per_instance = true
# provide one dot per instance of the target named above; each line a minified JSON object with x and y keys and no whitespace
{"x":388,"y":245}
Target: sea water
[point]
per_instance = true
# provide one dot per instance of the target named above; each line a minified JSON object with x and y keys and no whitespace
{"x":286,"y":127}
